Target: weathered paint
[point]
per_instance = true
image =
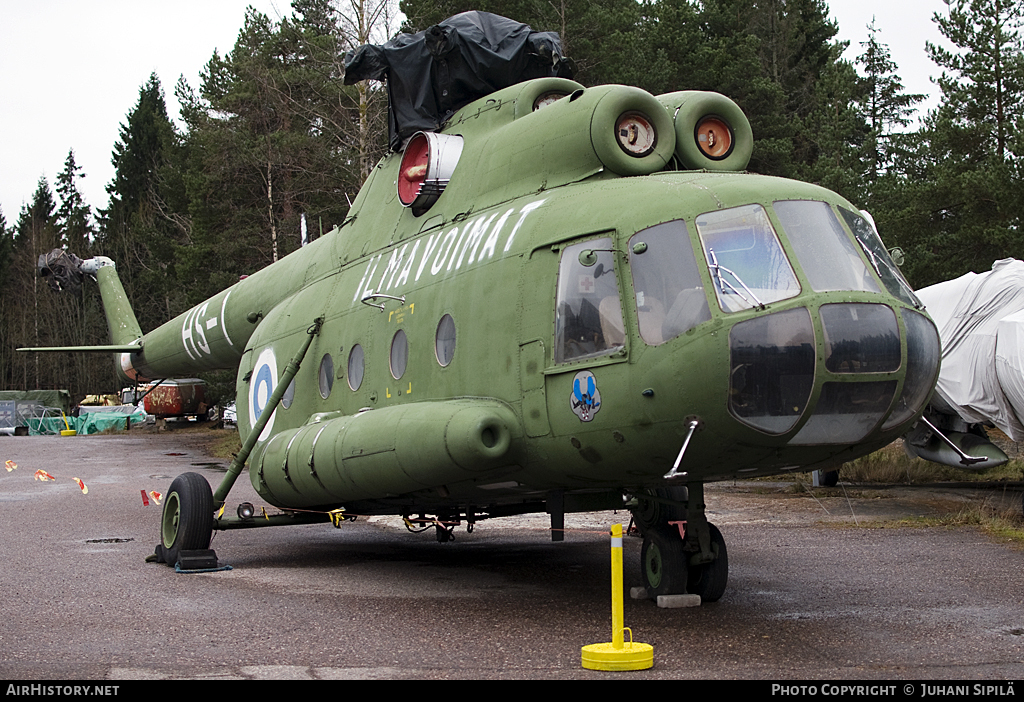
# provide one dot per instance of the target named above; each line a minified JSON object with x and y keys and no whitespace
{"x":487,"y":253}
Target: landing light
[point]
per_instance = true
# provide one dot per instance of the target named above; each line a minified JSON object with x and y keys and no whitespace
{"x":246,"y":510}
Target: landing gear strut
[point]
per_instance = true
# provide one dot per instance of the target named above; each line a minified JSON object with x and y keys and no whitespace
{"x":698,"y":563}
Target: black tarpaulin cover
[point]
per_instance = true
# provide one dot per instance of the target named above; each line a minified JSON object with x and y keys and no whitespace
{"x":433,"y":73}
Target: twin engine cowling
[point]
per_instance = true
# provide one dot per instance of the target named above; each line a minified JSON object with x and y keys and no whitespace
{"x":559,"y":132}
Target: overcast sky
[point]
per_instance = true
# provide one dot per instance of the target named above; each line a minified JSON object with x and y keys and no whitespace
{"x":70,"y":71}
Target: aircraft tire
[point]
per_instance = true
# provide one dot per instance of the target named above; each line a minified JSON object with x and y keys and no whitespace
{"x":187,"y":520}
{"x":829,"y":478}
{"x":663,"y":562}
{"x":709,"y":579}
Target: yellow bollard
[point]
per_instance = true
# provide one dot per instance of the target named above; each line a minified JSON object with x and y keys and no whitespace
{"x":67,"y":431}
{"x":618,"y":655}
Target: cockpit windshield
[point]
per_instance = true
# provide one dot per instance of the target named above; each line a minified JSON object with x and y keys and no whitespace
{"x":828,"y":257}
{"x":870,"y":242}
{"x":748,"y":266}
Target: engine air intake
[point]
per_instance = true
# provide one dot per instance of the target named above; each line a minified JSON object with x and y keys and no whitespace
{"x":712,"y":133}
{"x":427,"y":166}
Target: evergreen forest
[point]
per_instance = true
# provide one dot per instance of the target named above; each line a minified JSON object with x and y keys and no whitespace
{"x":272,"y":146}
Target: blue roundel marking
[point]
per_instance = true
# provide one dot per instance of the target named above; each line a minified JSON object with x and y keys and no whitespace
{"x":262,"y":377}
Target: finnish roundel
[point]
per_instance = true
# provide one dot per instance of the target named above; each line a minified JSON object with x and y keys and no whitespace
{"x":261,"y":386}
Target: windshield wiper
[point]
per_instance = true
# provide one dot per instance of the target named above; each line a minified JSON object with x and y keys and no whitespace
{"x":870,"y":254}
{"x":722,"y":282}
{"x":897,"y":276}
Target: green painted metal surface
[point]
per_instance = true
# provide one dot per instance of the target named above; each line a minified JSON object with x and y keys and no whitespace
{"x":377,"y":418}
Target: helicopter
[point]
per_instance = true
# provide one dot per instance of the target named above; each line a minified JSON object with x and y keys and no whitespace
{"x":546,"y":298}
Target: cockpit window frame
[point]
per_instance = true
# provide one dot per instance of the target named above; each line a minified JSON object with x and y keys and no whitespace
{"x":880,"y":263}
{"x":684,"y":307}
{"x":606,"y":247}
{"x":731,"y":286}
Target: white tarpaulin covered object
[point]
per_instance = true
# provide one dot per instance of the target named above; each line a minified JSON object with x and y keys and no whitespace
{"x":980,"y":317}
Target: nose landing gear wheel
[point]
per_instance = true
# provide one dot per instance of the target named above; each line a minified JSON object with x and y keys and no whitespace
{"x":187,"y":520}
{"x":663,"y":562}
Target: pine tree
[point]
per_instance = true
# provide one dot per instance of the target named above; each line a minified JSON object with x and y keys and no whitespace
{"x":959,"y":208}
{"x":7,"y":307}
{"x":6,"y":253}
{"x":885,"y":106}
{"x":139,"y":229}
{"x":983,"y":84}
{"x":35,"y":234}
{"x":73,"y":216}
{"x":838,"y":131}
{"x":274,"y":136}
{"x":768,"y":56}
{"x":670,"y":43}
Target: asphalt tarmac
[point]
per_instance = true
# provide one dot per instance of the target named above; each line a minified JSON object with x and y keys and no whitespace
{"x":811,"y":596}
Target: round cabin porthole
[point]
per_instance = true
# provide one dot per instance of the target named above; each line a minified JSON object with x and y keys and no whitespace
{"x":399,"y":354}
{"x":355,"y":367}
{"x":444,"y":340}
{"x":326,"y":375}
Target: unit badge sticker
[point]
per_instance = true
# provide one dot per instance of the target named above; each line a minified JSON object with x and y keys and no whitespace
{"x":585,"y":399}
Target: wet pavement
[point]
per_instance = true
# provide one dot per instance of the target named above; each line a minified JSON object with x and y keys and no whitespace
{"x":815,"y":591}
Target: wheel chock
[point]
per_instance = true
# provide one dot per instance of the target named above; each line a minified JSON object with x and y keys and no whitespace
{"x":197,"y":560}
{"x":618,"y":654}
{"x":678,"y":601}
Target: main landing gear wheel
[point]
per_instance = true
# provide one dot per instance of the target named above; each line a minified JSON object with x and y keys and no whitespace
{"x":187,"y":520}
{"x":709,"y":579}
{"x":667,"y":571}
{"x":663,"y":562}
{"x":674,"y":564}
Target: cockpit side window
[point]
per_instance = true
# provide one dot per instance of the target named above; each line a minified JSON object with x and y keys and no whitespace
{"x":748,"y":266}
{"x":865,"y":234}
{"x":669,"y":295}
{"x":588,"y":311}
{"x":824,"y":249}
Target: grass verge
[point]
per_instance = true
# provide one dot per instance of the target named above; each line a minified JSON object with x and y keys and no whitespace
{"x":1001,"y":524}
{"x":891,"y":464}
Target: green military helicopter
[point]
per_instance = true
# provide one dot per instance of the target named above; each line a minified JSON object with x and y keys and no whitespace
{"x":549,"y":298}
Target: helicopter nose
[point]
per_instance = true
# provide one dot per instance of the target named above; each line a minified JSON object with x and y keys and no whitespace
{"x":846,"y":380}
